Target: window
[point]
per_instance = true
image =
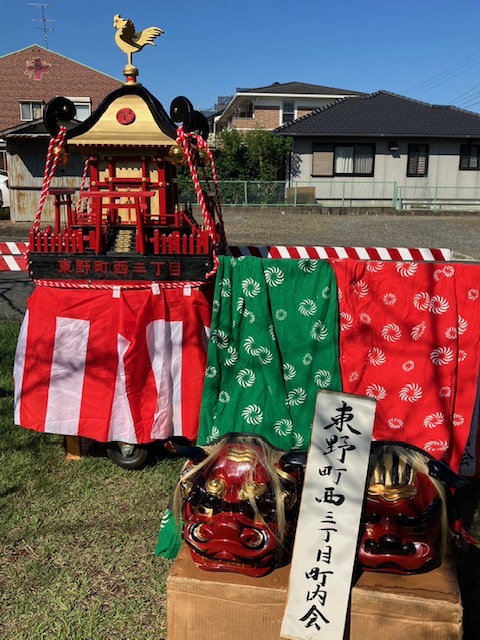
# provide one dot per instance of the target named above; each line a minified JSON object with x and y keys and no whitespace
{"x":244,"y":109}
{"x":30,"y":110}
{"x":83,"y":108}
{"x":343,"y":159}
{"x":417,"y":165}
{"x":323,"y":156}
{"x":288,"y":112}
{"x":82,"y":111}
{"x":469,"y":157}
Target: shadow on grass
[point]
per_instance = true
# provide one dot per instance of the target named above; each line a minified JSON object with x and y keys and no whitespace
{"x":158,"y":451}
{"x":30,"y":442}
{"x":10,"y":491}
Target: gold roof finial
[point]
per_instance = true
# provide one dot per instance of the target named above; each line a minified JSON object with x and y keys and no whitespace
{"x":130,"y":42}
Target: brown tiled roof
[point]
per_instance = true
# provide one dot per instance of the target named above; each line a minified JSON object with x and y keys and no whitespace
{"x":385,"y":114}
{"x":299,"y":88}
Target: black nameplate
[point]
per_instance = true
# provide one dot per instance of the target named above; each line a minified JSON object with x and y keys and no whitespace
{"x":69,"y":266}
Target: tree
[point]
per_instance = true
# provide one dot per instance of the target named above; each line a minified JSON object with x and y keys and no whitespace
{"x":255,"y":155}
{"x":231,"y":156}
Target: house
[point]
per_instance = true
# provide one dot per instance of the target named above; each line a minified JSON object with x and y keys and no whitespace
{"x":27,"y":146}
{"x":384,"y":148}
{"x":30,"y":78}
{"x":271,"y":106}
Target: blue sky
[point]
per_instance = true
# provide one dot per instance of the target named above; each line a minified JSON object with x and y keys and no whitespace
{"x":425,"y":49}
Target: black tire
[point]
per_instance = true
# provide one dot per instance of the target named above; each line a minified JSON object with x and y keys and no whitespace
{"x":131,"y":460}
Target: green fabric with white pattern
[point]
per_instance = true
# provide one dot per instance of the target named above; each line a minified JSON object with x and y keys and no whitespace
{"x":169,"y":536}
{"x":273,"y":345}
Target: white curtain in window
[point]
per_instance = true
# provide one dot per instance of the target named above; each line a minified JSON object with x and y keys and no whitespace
{"x":363,"y":158}
{"x":37,"y":110}
{"x":31,"y":110}
{"x":343,"y":159}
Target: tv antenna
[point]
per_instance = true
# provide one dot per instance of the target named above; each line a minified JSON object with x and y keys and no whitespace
{"x":43,"y":20}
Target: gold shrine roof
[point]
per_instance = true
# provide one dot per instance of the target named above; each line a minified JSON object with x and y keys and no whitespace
{"x":129,"y":116}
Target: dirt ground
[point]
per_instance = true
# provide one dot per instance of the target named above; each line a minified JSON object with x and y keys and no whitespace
{"x":460,"y":233}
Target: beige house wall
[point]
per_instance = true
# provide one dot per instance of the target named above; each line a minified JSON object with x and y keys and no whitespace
{"x":267,"y":111}
{"x":264,"y":118}
{"x":444,"y":182}
{"x":443,"y":163}
{"x":267,"y":117}
{"x":243,"y":124}
{"x":304,"y":111}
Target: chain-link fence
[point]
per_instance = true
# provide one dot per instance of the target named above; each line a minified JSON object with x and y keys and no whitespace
{"x":438,"y":198}
{"x":342,"y":193}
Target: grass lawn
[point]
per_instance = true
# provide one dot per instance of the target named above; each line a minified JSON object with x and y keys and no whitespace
{"x":77,"y":538}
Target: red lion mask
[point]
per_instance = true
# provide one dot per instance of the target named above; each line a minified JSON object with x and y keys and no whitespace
{"x":404,"y":523}
{"x":240,"y":505}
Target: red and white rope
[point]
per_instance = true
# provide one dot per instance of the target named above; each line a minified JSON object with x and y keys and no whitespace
{"x":53,"y":156}
{"x":72,"y":284}
{"x":184,"y":140}
{"x":218,"y":209}
{"x":83,"y":183}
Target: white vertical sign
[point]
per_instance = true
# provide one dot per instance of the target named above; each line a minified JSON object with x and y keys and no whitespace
{"x":328,"y":523}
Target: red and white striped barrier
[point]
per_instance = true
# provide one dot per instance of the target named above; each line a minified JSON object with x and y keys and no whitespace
{"x":358,"y":253}
{"x":13,"y":256}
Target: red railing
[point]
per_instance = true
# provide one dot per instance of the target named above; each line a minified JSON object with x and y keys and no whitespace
{"x":45,"y":241}
{"x":175,"y":243}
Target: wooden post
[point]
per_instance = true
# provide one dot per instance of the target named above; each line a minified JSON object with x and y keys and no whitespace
{"x":73,"y":448}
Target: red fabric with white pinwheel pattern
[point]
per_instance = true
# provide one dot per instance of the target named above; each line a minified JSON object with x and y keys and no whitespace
{"x":410,"y":338}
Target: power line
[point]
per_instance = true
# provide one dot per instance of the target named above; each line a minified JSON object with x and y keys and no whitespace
{"x":472,"y":104}
{"x":466,"y":93}
{"x":466,"y":102}
{"x":43,"y":20}
{"x":448,"y":77}
{"x":448,"y":74}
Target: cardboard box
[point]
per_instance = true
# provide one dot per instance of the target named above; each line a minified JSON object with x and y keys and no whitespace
{"x":210,"y":605}
{"x":228,"y":606}
{"x":423,"y":607}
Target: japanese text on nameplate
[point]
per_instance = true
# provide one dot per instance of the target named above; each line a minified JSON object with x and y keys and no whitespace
{"x":329,"y":519}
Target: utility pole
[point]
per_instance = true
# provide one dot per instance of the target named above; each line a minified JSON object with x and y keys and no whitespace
{"x":43,"y":20}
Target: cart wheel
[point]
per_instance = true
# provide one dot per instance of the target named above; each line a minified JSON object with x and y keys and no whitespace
{"x":127,"y":456}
